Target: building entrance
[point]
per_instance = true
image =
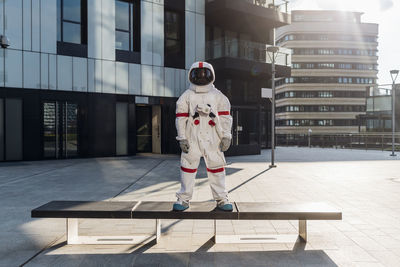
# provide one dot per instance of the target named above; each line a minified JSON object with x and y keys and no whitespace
{"x":148,"y":129}
{"x":60,"y":129}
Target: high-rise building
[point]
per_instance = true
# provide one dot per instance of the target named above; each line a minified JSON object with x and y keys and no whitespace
{"x":238,"y":33}
{"x":89,"y":78}
{"x":334,"y":59}
{"x":379,"y":109}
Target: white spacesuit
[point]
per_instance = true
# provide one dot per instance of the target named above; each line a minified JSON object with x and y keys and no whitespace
{"x":203,"y":123}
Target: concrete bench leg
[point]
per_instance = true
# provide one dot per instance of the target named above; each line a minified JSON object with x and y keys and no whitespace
{"x":303,"y":230}
{"x":72,"y":231}
{"x":158,"y":230}
{"x":262,"y":238}
{"x":74,"y":238}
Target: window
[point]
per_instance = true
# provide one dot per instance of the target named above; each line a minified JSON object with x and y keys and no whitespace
{"x":72,"y":27}
{"x":127,"y":31}
{"x":174,"y":46}
{"x":296,"y":66}
{"x":172,"y":32}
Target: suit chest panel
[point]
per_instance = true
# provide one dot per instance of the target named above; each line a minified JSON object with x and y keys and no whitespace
{"x":205,"y":99}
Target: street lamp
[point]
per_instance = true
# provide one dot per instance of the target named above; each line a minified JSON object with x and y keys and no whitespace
{"x":393,"y":75}
{"x":274,"y":50}
{"x":309,"y":137}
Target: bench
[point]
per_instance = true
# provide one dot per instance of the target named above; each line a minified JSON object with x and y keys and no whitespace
{"x":74,"y":210}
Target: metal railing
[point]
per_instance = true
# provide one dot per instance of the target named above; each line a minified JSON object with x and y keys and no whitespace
{"x":235,"y":48}
{"x":278,"y":5}
{"x":367,"y":141}
{"x":281,"y":6}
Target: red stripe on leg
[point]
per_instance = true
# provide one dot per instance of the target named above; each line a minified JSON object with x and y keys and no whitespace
{"x":200,"y":64}
{"x":215,"y":170}
{"x":220,"y":113}
{"x":188,"y":170}
{"x":182,"y":114}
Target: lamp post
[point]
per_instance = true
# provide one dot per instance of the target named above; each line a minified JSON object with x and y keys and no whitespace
{"x":274,"y":50}
{"x":393,"y":75}
{"x":309,"y":137}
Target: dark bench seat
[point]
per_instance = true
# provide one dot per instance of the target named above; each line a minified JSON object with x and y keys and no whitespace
{"x":74,"y":210}
{"x":85,"y":209}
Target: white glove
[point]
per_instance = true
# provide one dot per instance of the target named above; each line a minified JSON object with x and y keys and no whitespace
{"x":184,"y":144}
{"x":225,"y":144}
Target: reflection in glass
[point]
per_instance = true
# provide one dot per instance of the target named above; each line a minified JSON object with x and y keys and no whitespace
{"x":71,"y":130}
{"x":49,"y":129}
{"x":171,"y":25}
{"x":173,"y":46}
{"x":245,"y":130}
{"x":60,"y":129}
{"x":71,"y":33}
{"x":59,"y":20}
{"x":121,"y":121}
{"x":69,"y":20}
{"x":1,"y":129}
{"x":72,"y":10}
{"x":172,"y":32}
{"x":122,"y":15}
{"x":124,"y":25}
{"x":144,"y":128}
{"x":122,"y":40}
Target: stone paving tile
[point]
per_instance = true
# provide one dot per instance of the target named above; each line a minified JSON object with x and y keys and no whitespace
{"x":358,"y":182}
{"x":386,"y":258}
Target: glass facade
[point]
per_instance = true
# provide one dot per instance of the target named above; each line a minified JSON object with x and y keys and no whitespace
{"x":13,"y":129}
{"x":347,"y":80}
{"x":121,"y":128}
{"x":69,"y":21}
{"x":173,"y":42}
{"x":321,"y":108}
{"x":379,"y":103}
{"x":327,"y":37}
{"x":334,"y":51}
{"x":174,"y":38}
{"x":326,"y":17}
{"x":49,"y":130}
{"x":332,"y":65}
{"x":1,"y":129}
{"x":144,"y":129}
{"x":124,"y":25}
{"x":226,"y":43}
{"x":60,"y":129}
{"x":245,"y":131}
{"x":232,"y":46}
{"x":317,"y":122}
{"x":321,"y":94}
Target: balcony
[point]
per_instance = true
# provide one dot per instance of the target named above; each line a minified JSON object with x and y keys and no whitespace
{"x":255,"y":17}
{"x":247,"y":56}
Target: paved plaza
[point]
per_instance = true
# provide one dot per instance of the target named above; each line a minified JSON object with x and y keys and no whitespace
{"x":364,"y":185}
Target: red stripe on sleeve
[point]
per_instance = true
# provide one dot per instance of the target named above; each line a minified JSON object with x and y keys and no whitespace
{"x":188,"y":170}
{"x":223,"y":113}
{"x":182,"y":114}
{"x":215,"y":170}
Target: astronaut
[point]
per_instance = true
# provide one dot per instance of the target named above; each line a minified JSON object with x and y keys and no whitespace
{"x":203,"y":124}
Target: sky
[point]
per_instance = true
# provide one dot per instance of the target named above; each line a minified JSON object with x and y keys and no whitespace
{"x":386,"y":13}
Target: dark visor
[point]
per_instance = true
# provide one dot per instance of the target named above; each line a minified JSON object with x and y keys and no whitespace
{"x":201,"y":76}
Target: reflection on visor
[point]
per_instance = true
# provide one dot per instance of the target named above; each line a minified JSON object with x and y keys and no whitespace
{"x":201,"y":76}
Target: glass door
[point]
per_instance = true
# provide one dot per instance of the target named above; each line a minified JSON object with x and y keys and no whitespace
{"x":144,"y":129}
{"x":60,"y":129}
{"x":245,"y":128}
{"x":70,"y":130}
{"x":50,"y":131}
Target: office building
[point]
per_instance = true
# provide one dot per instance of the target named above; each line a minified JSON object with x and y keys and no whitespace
{"x":334,"y":59}
{"x":93,"y":78}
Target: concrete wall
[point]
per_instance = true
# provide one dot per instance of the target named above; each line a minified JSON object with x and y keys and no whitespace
{"x":32,"y":62}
